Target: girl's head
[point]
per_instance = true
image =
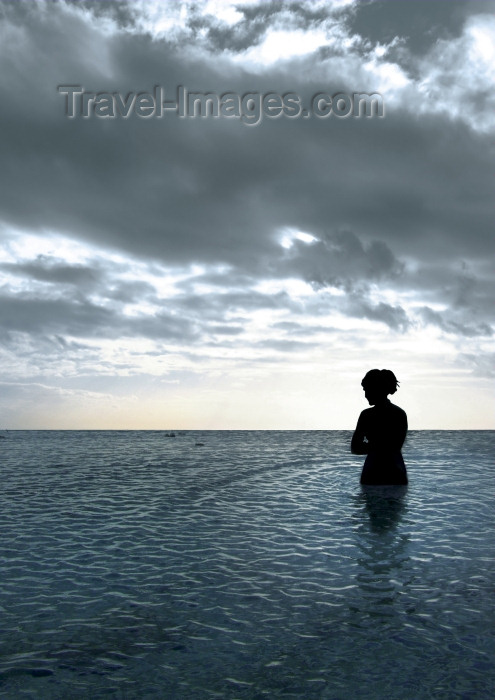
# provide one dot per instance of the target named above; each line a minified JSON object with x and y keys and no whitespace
{"x":378,"y":384}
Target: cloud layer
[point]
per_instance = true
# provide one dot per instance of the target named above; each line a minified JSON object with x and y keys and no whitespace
{"x":181,"y":248}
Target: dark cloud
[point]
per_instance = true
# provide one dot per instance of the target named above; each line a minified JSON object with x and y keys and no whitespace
{"x":212,"y":190}
{"x":44,"y":270}
{"x":83,"y":319}
{"x":119,"y":11}
{"x":419,"y":23}
{"x":131,"y":292}
{"x":392,"y":316}
{"x":225,"y":329}
{"x":283,"y":345}
{"x":446,"y":323}
{"x":340,"y":260}
{"x":53,"y":316}
{"x":465,"y":294}
{"x":215,"y":305}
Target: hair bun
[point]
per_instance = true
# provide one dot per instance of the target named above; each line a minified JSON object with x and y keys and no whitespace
{"x":382,"y":379}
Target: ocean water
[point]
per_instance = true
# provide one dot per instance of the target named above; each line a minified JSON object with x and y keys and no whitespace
{"x":252,"y":565}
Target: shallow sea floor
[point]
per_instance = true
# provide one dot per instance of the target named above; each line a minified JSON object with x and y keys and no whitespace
{"x":253,"y":565}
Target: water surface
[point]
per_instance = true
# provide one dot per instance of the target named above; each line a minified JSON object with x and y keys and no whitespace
{"x":136,"y":565}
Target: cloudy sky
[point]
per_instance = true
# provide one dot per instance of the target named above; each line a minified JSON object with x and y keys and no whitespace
{"x":202,"y":272}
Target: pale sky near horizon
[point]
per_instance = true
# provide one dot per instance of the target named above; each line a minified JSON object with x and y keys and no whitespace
{"x":203,"y":273}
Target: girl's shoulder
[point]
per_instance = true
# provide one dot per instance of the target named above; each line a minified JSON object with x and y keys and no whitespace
{"x":397,"y":413}
{"x":367,"y":413}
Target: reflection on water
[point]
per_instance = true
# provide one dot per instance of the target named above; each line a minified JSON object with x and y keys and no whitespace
{"x":384,"y":505}
{"x":382,"y":552}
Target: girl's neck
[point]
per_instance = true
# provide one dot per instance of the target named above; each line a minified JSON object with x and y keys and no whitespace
{"x":382,"y":402}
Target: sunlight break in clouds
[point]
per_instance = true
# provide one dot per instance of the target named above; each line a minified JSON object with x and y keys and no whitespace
{"x":460,"y":74}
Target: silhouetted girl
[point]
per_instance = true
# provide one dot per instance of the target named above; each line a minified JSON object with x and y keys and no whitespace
{"x":381,"y":431}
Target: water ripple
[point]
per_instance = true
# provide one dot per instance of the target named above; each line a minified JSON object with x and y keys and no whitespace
{"x":255,"y":566}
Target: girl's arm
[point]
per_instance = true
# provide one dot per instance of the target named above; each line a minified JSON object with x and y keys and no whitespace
{"x":359,"y":444}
